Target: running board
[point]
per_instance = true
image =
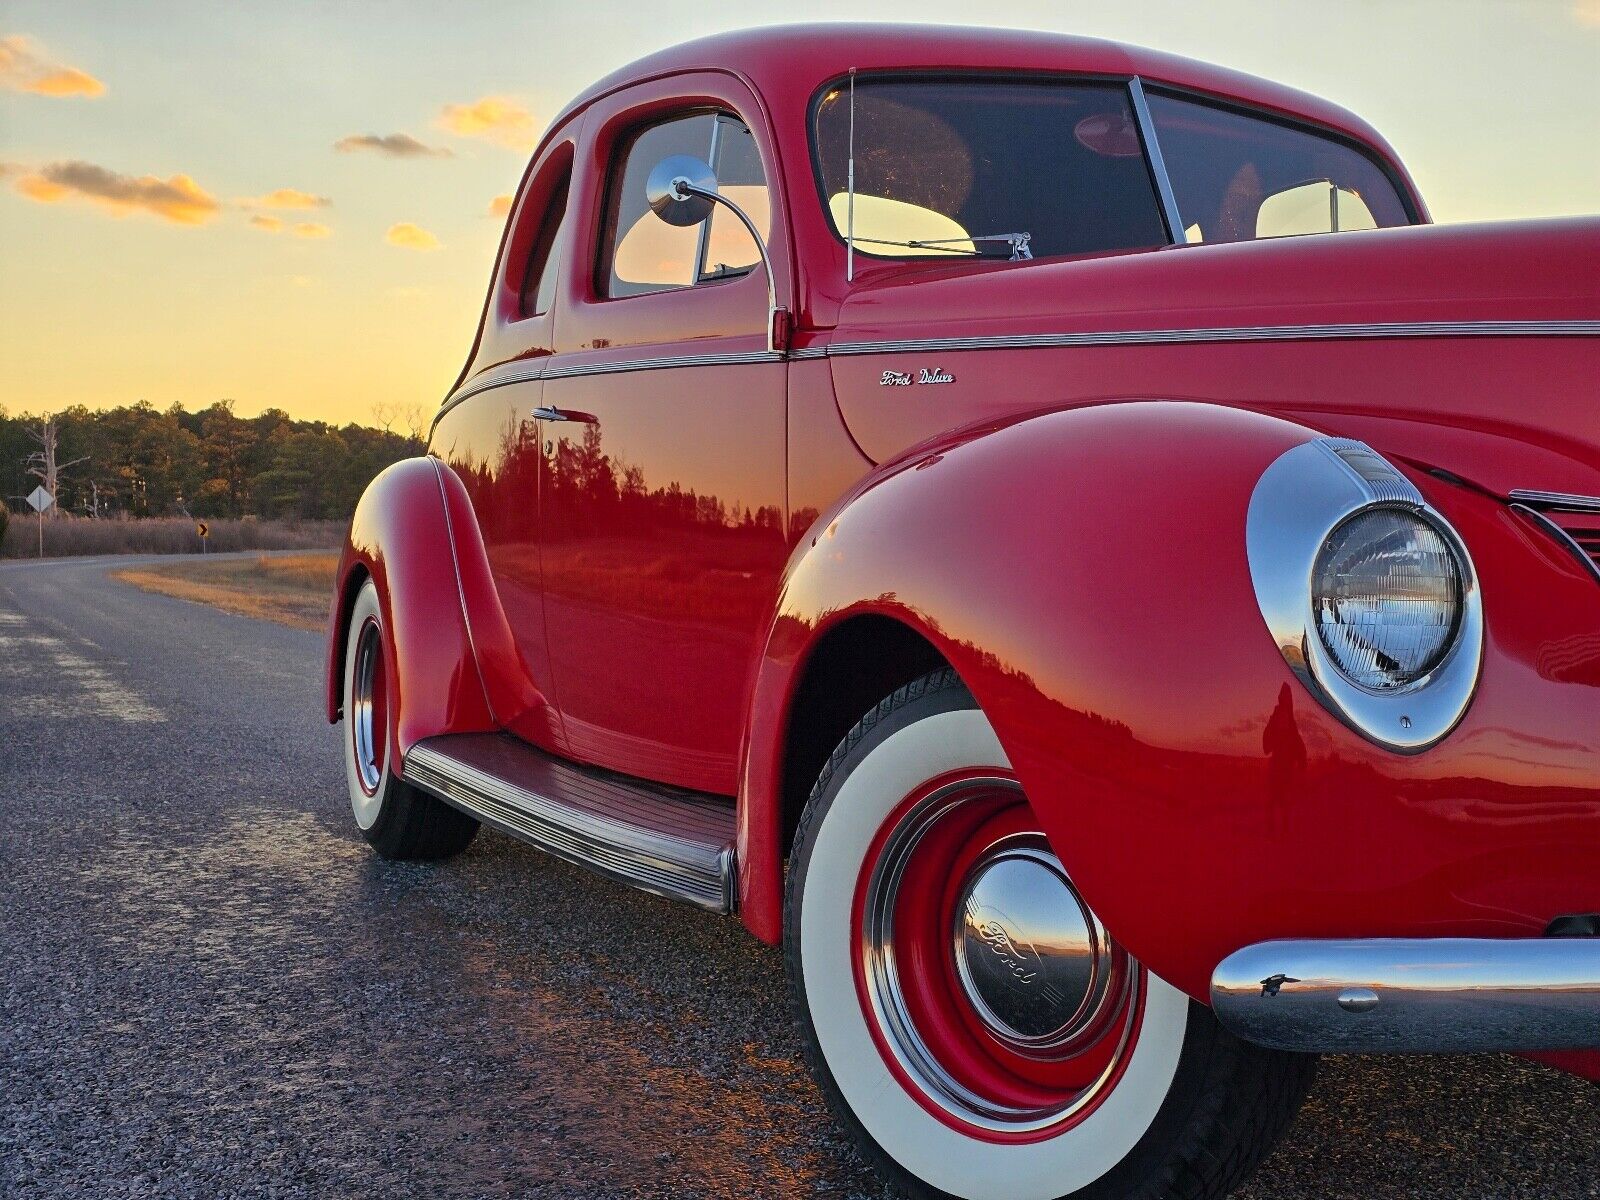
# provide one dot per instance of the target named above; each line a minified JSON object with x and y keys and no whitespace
{"x":672,"y":843}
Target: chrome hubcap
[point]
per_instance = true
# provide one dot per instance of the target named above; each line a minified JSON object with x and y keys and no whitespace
{"x":1026,"y":961}
{"x":363,"y":708}
{"x":1031,"y":958}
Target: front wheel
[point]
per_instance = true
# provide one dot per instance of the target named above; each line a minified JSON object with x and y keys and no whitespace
{"x":965,"y":1013}
{"x":397,"y":819}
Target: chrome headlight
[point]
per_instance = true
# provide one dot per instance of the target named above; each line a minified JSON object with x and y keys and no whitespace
{"x":1369,"y":593}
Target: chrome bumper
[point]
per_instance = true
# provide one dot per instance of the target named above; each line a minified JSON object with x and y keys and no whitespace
{"x":1453,"y":995}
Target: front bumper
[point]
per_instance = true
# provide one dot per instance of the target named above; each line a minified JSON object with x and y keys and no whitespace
{"x":1410,"y":995}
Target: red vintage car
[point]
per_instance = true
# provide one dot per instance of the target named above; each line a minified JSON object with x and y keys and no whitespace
{"x":911,"y":488}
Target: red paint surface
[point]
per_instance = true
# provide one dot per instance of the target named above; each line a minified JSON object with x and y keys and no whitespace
{"x":400,"y":539}
{"x":1082,"y":567}
{"x":1113,"y":638}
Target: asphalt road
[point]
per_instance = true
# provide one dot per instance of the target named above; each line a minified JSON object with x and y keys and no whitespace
{"x":210,"y":987}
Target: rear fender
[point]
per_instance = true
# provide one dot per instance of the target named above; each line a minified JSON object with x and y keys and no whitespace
{"x":400,"y":537}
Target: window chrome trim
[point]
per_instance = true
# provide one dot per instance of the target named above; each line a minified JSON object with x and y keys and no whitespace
{"x":1300,"y":499}
{"x":1157,"y":163}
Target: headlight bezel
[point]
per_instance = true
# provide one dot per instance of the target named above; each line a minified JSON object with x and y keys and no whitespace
{"x":1306,"y":494}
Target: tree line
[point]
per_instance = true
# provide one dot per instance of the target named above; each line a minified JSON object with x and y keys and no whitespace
{"x":140,"y":461}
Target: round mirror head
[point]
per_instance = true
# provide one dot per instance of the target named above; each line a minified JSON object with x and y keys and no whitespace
{"x":667,"y":201}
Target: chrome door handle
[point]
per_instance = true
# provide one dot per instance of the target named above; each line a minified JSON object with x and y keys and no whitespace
{"x":550,"y":412}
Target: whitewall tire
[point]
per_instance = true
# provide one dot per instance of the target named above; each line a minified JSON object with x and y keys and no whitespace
{"x":397,"y":819}
{"x":965,"y":1014}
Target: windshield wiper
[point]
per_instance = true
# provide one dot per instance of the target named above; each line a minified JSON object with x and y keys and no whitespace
{"x":1017,"y":241}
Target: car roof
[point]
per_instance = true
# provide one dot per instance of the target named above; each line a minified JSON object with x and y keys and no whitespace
{"x":783,"y":57}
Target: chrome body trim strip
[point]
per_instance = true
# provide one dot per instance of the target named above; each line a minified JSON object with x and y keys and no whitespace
{"x":1566,"y":541}
{"x":653,"y":861}
{"x":550,"y":368}
{"x":553,"y":368}
{"x":1413,"y":995}
{"x":490,"y":380}
{"x":1158,"y":164}
{"x":1240,"y":333}
{"x":1560,"y":501}
{"x":1306,"y":493}
{"x":666,"y":362}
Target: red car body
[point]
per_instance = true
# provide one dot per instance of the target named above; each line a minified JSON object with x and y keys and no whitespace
{"x":1063,"y":524}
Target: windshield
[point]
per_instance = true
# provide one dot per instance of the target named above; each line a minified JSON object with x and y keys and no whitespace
{"x":1237,"y":177}
{"x":968,"y":168}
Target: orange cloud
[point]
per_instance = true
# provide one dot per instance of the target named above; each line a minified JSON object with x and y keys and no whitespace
{"x":267,"y":224}
{"x":178,"y":199}
{"x":494,"y":118}
{"x":285,"y":198}
{"x":500,"y":206}
{"x":1587,"y":12}
{"x":398,"y":145}
{"x":410,"y":237}
{"x":310,"y":229}
{"x":23,"y":68}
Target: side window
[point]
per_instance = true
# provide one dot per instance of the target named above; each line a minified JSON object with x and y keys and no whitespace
{"x":1318,"y":206}
{"x":729,"y":249}
{"x":1238,"y":176}
{"x":539,"y":282}
{"x":644,"y":254}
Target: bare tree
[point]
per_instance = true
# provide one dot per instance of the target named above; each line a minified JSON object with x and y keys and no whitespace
{"x":42,"y":464}
{"x":412,"y":419}
{"x":384,"y":414}
{"x":415,"y":419}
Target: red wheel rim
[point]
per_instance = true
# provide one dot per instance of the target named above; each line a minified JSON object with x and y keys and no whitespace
{"x":992,"y":992}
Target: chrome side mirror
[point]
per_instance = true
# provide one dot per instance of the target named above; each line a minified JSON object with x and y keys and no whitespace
{"x":679,"y":190}
{"x":682,"y":191}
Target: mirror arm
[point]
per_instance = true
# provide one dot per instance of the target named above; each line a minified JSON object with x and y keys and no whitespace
{"x":777,"y":316}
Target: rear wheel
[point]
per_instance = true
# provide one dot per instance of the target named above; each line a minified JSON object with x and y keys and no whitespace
{"x":965,"y":1013}
{"x":399,"y":820}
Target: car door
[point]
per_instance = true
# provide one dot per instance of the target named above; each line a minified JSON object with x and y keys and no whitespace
{"x":663,"y":490}
{"x":489,"y":437}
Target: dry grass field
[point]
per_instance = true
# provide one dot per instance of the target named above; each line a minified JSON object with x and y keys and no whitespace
{"x":292,"y":589}
{"x":68,"y":535}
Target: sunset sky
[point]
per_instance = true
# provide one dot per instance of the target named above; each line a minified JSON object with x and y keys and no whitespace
{"x":292,"y":204}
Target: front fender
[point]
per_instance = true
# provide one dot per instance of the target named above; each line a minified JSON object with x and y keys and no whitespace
{"x":400,"y":537}
{"x":1085,"y":572}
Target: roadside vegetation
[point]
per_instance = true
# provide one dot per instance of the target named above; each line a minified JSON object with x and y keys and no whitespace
{"x":291,"y":589}
{"x":140,"y":461}
{"x":159,"y":535}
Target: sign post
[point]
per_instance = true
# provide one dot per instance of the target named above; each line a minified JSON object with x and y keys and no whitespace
{"x":41,"y":500}
{"x":204,"y":531}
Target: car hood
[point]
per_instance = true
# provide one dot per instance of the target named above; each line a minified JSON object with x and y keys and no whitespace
{"x":1473,"y":349}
